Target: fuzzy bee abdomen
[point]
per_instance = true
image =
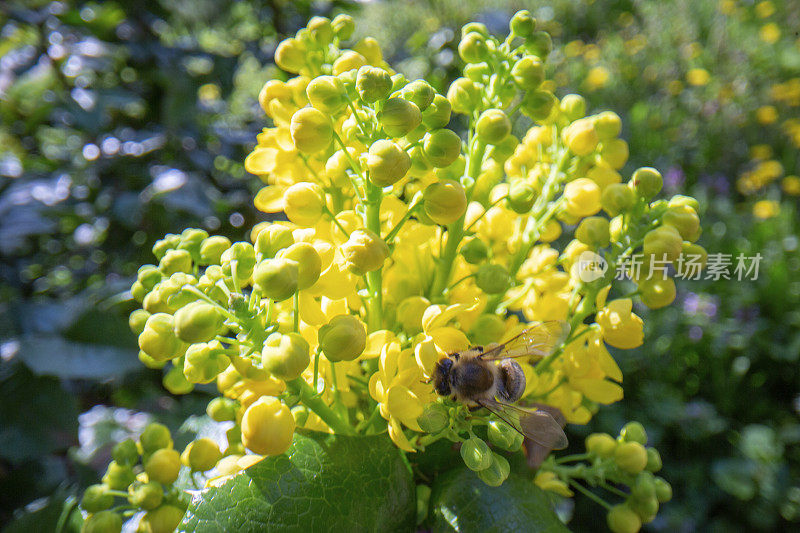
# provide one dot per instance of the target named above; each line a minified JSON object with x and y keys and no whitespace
{"x":471,"y":379}
{"x":512,"y":381}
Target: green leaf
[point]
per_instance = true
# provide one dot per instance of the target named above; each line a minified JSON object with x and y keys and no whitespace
{"x":460,"y":501}
{"x":323,"y":483}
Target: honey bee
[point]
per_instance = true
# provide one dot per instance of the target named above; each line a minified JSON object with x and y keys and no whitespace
{"x":490,"y":377}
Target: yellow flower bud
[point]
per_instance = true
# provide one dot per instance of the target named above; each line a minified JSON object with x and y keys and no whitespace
{"x":373,"y":84}
{"x":472,"y":48}
{"x":630,"y":457}
{"x":622,"y":519}
{"x":633,"y":432}
{"x":163,"y":466}
{"x":349,"y":61}
{"x":273,"y":90}
{"x":419,"y":92}
{"x":663,"y":490}
{"x":410,"y":311}
{"x":327,"y":93}
{"x":522,"y":24}
{"x":442,"y":147}
{"x":603,"y":175}
{"x":551,"y":231}
{"x":370,"y":49}
{"x":291,"y":55}
{"x":581,"y":137}
{"x":276,"y":278}
{"x":573,"y":106}
{"x":435,"y":417}
{"x":492,"y":278}
{"x":647,"y":182}
{"x":445,"y":201}
{"x":685,"y":219}
{"x":437,"y":115}
{"x":285,"y":356}
{"x":158,"y":340}
{"x":474,"y":251}
{"x":146,"y":495}
{"x":463,"y":96}
{"x":343,"y":338}
{"x":654,"y":463}
{"x":154,"y":437}
{"x":164,"y":519}
{"x":614,"y":152}
{"x":540,"y":44}
{"x":96,"y":498}
{"x":399,"y":117}
{"x":582,"y":197}
{"x":493,"y":126}
{"x":204,"y":361}
{"x":601,"y":444}
{"x":175,"y":380}
{"x":267,"y":427}
{"x":311,"y":130}
{"x":308,"y":261}
{"x":364,"y":252}
{"x":320,"y":30}
{"x":201,"y":455}
{"x":657,"y":292}
{"x":607,"y":125}
{"x":137,"y":320}
{"x":304,"y":203}
{"x":175,"y":261}
{"x":617,"y":198}
{"x":387,"y":163}
{"x":118,"y":476}
{"x":538,"y":104}
{"x":197,"y":322}
{"x":211,"y":249}
{"x":593,"y":231}
{"x":664,"y":242}
{"x":528,"y":73}
{"x":102,"y":522}
{"x":272,"y":239}
{"x":343,"y":26}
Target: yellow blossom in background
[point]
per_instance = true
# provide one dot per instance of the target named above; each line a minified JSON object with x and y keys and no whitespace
{"x":765,"y":209}
{"x":597,"y":78}
{"x":765,"y":9}
{"x":698,"y":77}
{"x":767,"y":114}
{"x":791,"y":185}
{"x":770,"y":33}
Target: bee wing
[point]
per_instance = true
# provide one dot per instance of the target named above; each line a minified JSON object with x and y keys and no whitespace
{"x":537,"y":425}
{"x":538,"y":340}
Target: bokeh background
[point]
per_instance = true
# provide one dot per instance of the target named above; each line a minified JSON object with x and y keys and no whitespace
{"x":122,"y":121}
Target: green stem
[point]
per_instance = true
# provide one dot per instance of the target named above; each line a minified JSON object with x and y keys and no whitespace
{"x":614,"y":490}
{"x":308,"y":397}
{"x":573,"y":457}
{"x":589,"y":494}
{"x":367,"y":423}
{"x":372,"y":220}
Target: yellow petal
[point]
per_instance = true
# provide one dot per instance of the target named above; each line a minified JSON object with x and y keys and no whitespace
{"x":310,"y":310}
{"x":402,"y":403}
{"x":270,"y":199}
{"x":398,"y":437}
{"x":375,"y":343}
{"x":449,"y":340}
{"x":261,"y":161}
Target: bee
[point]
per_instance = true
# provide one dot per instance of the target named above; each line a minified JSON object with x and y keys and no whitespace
{"x":489,"y":377}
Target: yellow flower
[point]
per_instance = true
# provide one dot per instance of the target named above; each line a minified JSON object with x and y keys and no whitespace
{"x":597,"y":78}
{"x":620,"y":327}
{"x":547,"y":480}
{"x":791,"y":185}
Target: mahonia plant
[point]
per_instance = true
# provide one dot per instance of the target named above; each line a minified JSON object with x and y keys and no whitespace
{"x":405,"y":242}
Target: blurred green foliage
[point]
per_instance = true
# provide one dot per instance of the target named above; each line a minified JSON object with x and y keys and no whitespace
{"x":122,"y":121}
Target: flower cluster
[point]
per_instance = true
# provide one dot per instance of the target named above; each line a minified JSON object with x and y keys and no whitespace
{"x":143,"y":475}
{"x":405,"y":242}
